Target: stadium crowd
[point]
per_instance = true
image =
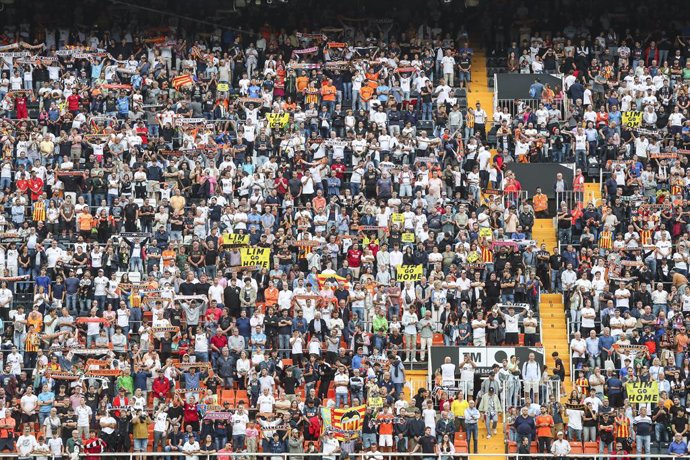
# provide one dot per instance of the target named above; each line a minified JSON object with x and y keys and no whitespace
{"x":143,"y":168}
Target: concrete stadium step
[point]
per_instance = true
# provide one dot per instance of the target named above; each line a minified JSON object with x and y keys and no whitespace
{"x":479,"y":89}
{"x":554,"y":333}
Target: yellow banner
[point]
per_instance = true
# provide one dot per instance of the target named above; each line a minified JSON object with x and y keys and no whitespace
{"x":277,"y":120}
{"x":407,"y":237}
{"x":223,"y":87}
{"x":255,"y":256}
{"x":632,"y":119}
{"x":398,"y":218}
{"x":643,"y":392}
{"x":486,"y":232}
{"x":235,"y":239}
{"x":409,"y":273}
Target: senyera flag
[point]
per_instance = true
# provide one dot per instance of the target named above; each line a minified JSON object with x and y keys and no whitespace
{"x":182,"y":80}
{"x":344,"y":423}
{"x":332,"y":279}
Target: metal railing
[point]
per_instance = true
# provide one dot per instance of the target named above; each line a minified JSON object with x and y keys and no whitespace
{"x":513,"y":104}
{"x":374,"y":454}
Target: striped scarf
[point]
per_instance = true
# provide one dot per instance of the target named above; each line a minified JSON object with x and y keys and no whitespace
{"x":39,"y":214}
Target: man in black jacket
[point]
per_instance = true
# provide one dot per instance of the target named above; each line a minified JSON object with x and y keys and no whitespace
{"x":231,"y":298}
{"x":415,"y":430}
{"x":318,"y":327}
{"x":445,"y":426}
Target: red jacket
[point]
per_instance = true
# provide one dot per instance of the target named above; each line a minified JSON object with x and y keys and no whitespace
{"x":161,"y":387}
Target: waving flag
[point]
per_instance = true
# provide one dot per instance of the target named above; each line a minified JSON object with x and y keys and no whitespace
{"x":182,"y":80}
{"x":333,"y":279}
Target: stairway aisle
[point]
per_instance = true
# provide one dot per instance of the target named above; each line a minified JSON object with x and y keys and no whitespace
{"x":551,"y":311}
{"x":593,"y":193}
{"x":485,"y":445}
{"x":543,"y":231}
{"x":480,"y":91}
{"x":555,"y":334}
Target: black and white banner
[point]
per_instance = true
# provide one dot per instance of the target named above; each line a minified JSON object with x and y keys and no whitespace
{"x":483,"y":357}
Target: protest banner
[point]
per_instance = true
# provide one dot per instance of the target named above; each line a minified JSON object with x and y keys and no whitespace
{"x":277,"y":120}
{"x":409,"y":273}
{"x":235,"y":240}
{"x":255,"y":256}
{"x":643,"y":392}
{"x":632,"y":119}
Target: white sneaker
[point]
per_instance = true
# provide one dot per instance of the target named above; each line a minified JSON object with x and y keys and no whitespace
{"x":495,"y":431}
{"x":414,"y":360}
{"x":488,"y":436}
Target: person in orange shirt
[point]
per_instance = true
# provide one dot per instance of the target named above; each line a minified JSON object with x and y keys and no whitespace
{"x":385,"y":420}
{"x":544,"y":424}
{"x":301,"y":83}
{"x":85,"y":223}
{"x":328,"y":93}
{"x":168,"y":256}
{"x":366,"y":93}
{"x":319,"y":202}
{"x":540,"y":204}
{"x":271,"y":295}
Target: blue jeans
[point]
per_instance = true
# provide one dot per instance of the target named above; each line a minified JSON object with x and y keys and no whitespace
{"x":565,"y":235}
{"x":220,"y":441}
{"x":284,"y":345}
{"x":71,"y":303}
{"x":101,"y":301}
{"x":555,"y":280}
{"x":238,"y":442}
{"x":19,"y":339}
{"x":581,"y":157}
{"x":110,"y":199}
{"x":24,"y":271}
{"x":359,"y":311}
{"x":347,"y":91}
{"x":136,"y":265}
{"x":680,"y":357}
{"x":656,"y":308}
{"x":340,"y":400}
{"x":42,"y":416}
{"x":140,"y":445}
{"x":368,"y":440}
{"x":472,"y":430}
{"x":661,"y":433}
{"x":426,"y":110}
{"x":574,"y":435}
{"x":643,"y":442}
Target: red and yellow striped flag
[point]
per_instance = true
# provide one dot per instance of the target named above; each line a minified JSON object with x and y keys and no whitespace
{"x":182,"y":80}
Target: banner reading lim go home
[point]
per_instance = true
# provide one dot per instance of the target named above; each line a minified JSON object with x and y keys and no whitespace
{"x":484,"y":357}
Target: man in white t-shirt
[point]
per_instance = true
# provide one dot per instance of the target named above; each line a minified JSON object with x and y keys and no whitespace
{"x":265,"y":402}
{"x":83,"y":413}
{"x":28,"y":404}
{"x":512,"y":321}
{"x":448,"y":64}
{"x":448,"y":372}
{"x":622,"y":296}
{"x":467,"y":370}
{"x":26,"y":443}
{"x":239,"y":420}
{"x":100,"y":289}
{"x":341,"y":382}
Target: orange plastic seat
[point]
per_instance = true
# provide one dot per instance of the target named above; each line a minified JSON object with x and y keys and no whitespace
{"x":576,"y":447}
{"x":461,"y":447}
{"x":591,"y":448}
